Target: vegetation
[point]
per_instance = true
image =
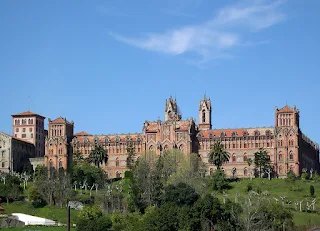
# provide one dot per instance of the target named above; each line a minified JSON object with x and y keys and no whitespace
{"x":170,"y":192}
{"x":98,"y":155}
{"x":218,"y":155}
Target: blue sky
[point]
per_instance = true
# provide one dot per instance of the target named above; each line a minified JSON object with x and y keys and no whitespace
{"x":110,"y":65}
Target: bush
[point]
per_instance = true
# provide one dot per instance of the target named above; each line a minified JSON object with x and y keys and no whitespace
{"x":304,"y":176}
{"x":35,"y":197}
{"x":249,"y":187}
{"x":92,"y":219}
{"x":128,"y":174}
{"x":219,"y":181}
{"x":311,"y":191}
{"x":291,"y":177}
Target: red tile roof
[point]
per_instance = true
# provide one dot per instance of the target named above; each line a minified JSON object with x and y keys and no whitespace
{"x":286,"y":109}
{"x":112,"y":138}
{"x":27,"y":113}
{"x":83,"y":133}
{"x":60,"y":120}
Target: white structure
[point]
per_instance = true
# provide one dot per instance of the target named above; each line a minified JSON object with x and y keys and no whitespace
{"x":32,"y":220}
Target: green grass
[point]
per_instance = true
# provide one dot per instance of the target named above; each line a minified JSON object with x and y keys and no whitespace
{"x":37,"y":228}
{"x":293,"y":192}
{"x":53,"y":213}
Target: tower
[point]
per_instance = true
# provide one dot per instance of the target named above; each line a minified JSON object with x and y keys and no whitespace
{"x":205,"y":114}
{"x":29,"y":127}
{"x":171,"y":110}
{"x":58,"y":148}
{"x":287,"y":140}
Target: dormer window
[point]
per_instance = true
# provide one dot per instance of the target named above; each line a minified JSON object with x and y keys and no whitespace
{"x":256,"y":133}
{"x":222,"y":134}
{"x":234,"y":134}
{"x":268,"y":133}
{"x":245,"y":133}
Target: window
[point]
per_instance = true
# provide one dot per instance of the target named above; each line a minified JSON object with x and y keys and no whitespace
{"x":15,"y":135}
{"x":203,"y":116}
{"x":234,"y":158}
{"x":31,"y":135}
{"x":245,"y":157}
{"x":118,"y":175}
{"x":245,"y":171}
{"x":181,"y":148}
{"x":280,"y":156}
{"x":17,"y":129}
{"x":257,"y":145}
{"x":268,"y":133}
{"x":268,"y":144}
{"x":256,"y":133}
{"x":244,"y":145}
{"x":60,"y":164}
{"x":117,"y":162}
{"x":151,"y":148}
{"x":3,"y":153}
{"x":2,"y":164}
{"x":23,"y":136}
{"x":280,"y":170}
{"x":233,"y":145}
{"x":291,"y":155}
{"x":51,"y":164}
{"x":23,"y":129}
{"x":30,"y":129}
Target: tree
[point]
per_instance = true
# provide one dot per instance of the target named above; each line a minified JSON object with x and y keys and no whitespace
{"x":77,"y":157}
{"x":218,"y":180}
{"x":181,"y":194}
{"x":98,"y":155}
{"x":131,"y":156}
{"x":261,"y":160}
{"x":218,"y":155}
{"x":92,"y":219}
{"x":11,"y":189}
{"x":35,"y":197}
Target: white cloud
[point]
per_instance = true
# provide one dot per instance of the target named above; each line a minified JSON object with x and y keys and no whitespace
{"x":216,"y":36}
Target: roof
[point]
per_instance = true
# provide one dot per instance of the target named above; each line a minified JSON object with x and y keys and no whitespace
{"x":83,"y":133}
{"x":23,"y":140}
{"x":286,"y":109}
{"x":60,"y":120}
{"x":238,"y":132}
{"x":109,"y":138}
{"x":181,"y":125}
{"x":27,"y":113}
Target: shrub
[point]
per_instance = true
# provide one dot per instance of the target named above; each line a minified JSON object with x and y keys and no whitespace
{"x":304,"y":176}
{"x":92,"y":219}
{"x":249,"y":187}
{"x":128,"y":174}
{"x":219,"y":181}
{"x":311,"y":191}
{"x":35,"y":197}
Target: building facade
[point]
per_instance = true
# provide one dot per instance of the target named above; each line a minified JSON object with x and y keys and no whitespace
{"x":58,"y":151}
{"x":29,"y":127}
{"x":287,"y":147}
{"x":15,"y":153}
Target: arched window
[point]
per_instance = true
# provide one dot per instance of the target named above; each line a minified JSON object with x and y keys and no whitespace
{"x":256,"y":133}
{"x":280,"y":156}
{"x":203,"y":116}
{"x":211,"y":171}
{"x":117,"y":162}
{"x":245,"y":157}
{"x":181,"y":148}
{"x":269,"y":158}
{"x":151,"y":148}
{"x":50,"y":164}
{"x":245,"y":171}
{"x":268,"y":133}
{"x":280,"y":170}
{"x":118,"y":175}
{"x":2,"y":164}
{"x":60,"y":163}
{"x":165,"y":148}
{"x":234,"y":157}
{"x":291,"y":155}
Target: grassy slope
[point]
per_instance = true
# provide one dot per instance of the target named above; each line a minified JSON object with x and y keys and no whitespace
{"x":36,"y":228}
{"x":277,"y":187}
{"x":53,"y":213}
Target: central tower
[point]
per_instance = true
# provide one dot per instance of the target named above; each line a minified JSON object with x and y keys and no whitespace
{"x":171,"y":110}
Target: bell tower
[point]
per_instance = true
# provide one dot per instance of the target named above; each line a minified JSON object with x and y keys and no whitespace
{"x":205,"y":114}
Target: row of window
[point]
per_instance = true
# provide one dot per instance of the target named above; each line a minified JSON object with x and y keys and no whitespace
{"x":23,"y":129}
{"x":246,"y":171}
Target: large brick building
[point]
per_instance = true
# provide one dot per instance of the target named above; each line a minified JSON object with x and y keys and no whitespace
{"x":287,"y":147}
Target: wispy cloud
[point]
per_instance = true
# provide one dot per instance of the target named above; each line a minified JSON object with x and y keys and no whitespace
{"x":216,"y":37}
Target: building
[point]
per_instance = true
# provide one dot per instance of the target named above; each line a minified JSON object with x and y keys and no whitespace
{"x":288,"y":148}
{"x":15,"y":153}
{"x":29,"y":127}
{"x":58,"y":151}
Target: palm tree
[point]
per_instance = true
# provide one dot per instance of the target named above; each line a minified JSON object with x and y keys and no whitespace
{"x":98,"y":155}
{"x":218,"y":155}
